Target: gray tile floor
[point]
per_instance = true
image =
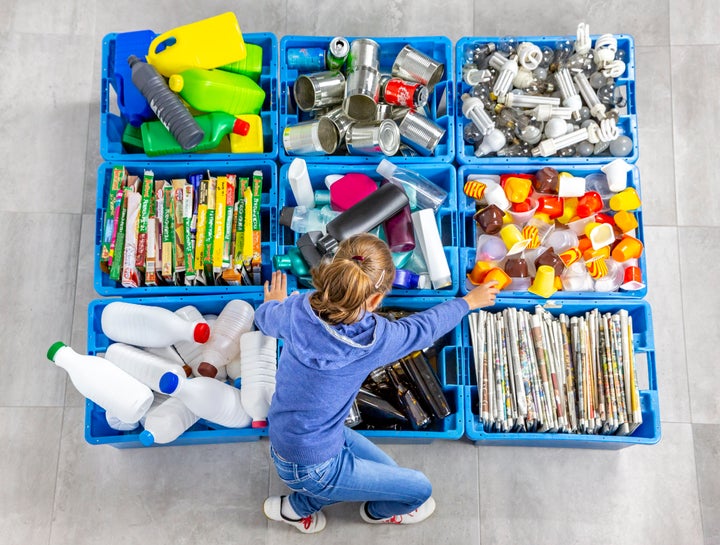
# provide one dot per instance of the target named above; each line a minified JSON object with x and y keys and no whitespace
{"x":56,"y":489}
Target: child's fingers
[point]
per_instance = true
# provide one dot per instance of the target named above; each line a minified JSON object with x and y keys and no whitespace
{"x":267,"y":286}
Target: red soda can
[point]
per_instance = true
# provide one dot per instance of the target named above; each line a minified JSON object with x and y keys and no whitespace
{"x":399,"y":92}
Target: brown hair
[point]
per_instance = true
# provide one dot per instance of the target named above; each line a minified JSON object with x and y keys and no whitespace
{"x":361,"y":267}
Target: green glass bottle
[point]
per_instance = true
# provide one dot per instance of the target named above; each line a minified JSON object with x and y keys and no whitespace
{"x":218,"y":91}
{"x":157,"y":140}
{"x":250,"y":66}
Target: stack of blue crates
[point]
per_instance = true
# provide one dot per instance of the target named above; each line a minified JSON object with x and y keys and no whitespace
{"x":457,"y":228}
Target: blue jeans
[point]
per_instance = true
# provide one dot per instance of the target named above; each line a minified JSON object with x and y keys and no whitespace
{"x":360,"y":472}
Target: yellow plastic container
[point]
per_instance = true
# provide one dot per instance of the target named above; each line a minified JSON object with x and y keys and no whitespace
{"x":208,"y":43}
{"x":253,"y":141}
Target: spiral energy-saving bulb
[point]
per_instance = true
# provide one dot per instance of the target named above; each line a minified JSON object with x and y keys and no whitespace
{"x":605,"y":49}
{"x":597,"y":108}
{"x":571,"y":98}
{"x":551,"y":146}
{"x":474,"y":110}
{"x":529,"y":55}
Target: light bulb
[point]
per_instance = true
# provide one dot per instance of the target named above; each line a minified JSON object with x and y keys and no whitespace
{"x":516,"y":100}
{"x":563,"y":50}
{"x":621,"y":146}
{"x":571,"y":98}
{"x":582,"y":42}
{"x":493,"y":141}
{"x":597,"y":80}
{"x":545,"y":112}
{"x":613,"y":69}
{"x":474,"y":110}
{"x":505,"y":78}
{"x":472,"y":75}
{"x":584,"y":149}
{"x":597,"y":108}
{"x":516,"y":150}
{"x":497,"y":60}
{"x":556,"y":127}
{"x":529,"y":55}
{"x":482,"y":91}
{"x":547,"y":56}
{"x":471,"y":133}
{"x":481,"y":53}
{"x":550,"y":146}
{"x":605,"y":48}
{"x":523,"y":79}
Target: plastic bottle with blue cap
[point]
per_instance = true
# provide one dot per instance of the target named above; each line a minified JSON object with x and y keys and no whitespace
{"x":166,"y":422}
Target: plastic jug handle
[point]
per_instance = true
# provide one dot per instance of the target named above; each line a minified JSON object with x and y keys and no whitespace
{"x":162,"y":42}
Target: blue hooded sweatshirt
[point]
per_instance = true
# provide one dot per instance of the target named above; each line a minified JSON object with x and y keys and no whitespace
{"x":322,"y":367}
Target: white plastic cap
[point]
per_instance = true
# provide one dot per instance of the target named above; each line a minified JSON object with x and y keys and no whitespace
{"x":330,"y":179}
{"x":386,"y":169}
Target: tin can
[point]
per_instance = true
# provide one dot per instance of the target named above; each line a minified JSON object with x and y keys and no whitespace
{"x":420,"y":133}
{"x":413,"y":65}
{"x":362,"y":92}
{"x":341,"y":120}
{"x":383,"y":112}
{"x":363,"y":52}
{"x":314,"y":91}
{"x":318,"y":137}
{"x":382,"y":137}
{"x":338,"y":51}
{"x":404,"y":93}
{"x":306,"y":59}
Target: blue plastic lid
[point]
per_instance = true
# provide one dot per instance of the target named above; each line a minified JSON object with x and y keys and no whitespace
{"x":169,"y":383}
{"x":146,"y":438}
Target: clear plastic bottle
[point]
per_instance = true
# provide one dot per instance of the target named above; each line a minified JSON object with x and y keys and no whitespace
{"x":149,"y":326}
{"x":102,"y":382}
{"x":224,"y":343}
{"x":144,"y":366}
{"x":302,"y":219}
{"x":208,"y":398}
{"x":258,"y":364}
{"x":421,"y":192}
{"x":166,"y":422}
{"x":166,"y":104}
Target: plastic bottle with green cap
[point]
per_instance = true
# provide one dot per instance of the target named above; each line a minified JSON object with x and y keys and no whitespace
{"x":218,"y":91}
{"x":100,"y":381}
{"x":250,"y":66}
{"x":157,"y":140}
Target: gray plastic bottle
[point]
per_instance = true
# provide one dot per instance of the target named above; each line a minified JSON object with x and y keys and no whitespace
{"x":166,"y":104}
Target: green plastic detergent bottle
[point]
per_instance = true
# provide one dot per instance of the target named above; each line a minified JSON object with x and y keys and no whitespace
{"x":218,"y":91}
{"x":250,"y":66}
{"x":157,"y":140}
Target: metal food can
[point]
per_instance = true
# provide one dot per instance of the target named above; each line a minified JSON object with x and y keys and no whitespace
{"x":338,"y":51}
{"x":362,"y":92}
{"x":341,"y":120}
{"x":399,"y":92}
{"x":314,"y":91}
{"x":363,"y":52}
{"x":421,"y":133}
{"x":373,"y":138}
{"x":413,"y":65}
{"x":383,"y":111}
{"x":318,"y":137}
{"x":306,"y":59}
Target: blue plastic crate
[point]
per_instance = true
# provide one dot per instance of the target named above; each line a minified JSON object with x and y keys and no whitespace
{"x":112,"y":124}
{"x":627,"y":122}
{"x":168,"y":170}
{"x":97,"y":432}
{"x":437,"y":47}
{"x":442,"y":174}
{"x":648,"y":433}
{"x":468,"y":233}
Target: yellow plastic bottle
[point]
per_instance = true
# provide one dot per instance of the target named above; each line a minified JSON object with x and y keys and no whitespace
{"x":208,"y":43}
{"x":253,"y":141}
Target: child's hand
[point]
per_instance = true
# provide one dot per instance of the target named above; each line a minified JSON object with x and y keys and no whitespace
{"x":482,"y":296}
{"x":277,"y":289}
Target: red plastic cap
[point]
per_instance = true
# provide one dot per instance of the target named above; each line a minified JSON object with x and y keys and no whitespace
{"x":201,"y":333}
{"x":241,"y":127}
{"x":259,"y":424}
{"x":207,"y":370}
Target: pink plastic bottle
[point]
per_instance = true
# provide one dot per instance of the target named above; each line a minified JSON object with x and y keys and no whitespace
{"x":350,"y":189}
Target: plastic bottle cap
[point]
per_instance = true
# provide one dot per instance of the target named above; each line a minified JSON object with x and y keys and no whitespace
{"x":241,"y":127}
{"x":386,"y":169}
{"x":169,"y":382}
{"x":146,"y":438}
{"x":201,"y":333}
{"x":259,"y":424}
{"x":188,"y":370}
{"x":54,"y":349}
{"x":207,"y":370}
{"x":176,"y":82}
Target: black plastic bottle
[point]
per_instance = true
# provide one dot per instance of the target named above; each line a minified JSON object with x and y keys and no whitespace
{"x":367,"y":214}
{"x":166,"y":104}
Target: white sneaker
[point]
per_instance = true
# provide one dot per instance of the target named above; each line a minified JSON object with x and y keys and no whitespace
{"x":307,"y":525}
{"x":413,"y":517}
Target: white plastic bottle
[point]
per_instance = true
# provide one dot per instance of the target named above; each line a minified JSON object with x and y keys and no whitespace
{"x":208,"y":398}
{"x":115,"y":423}
{"x":97,"y":379}
{"x":144,"y":366}
{"x":428,"y":237}
{"x":190,"y":351}
{"x":258,"y":356}
{"x":421,"y":192}
{"x":300,"y":183}
{"x":144,"y":325}
{"x":166,"y":422}
{"x":224,"y":343}
{"x":166,"y":352}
